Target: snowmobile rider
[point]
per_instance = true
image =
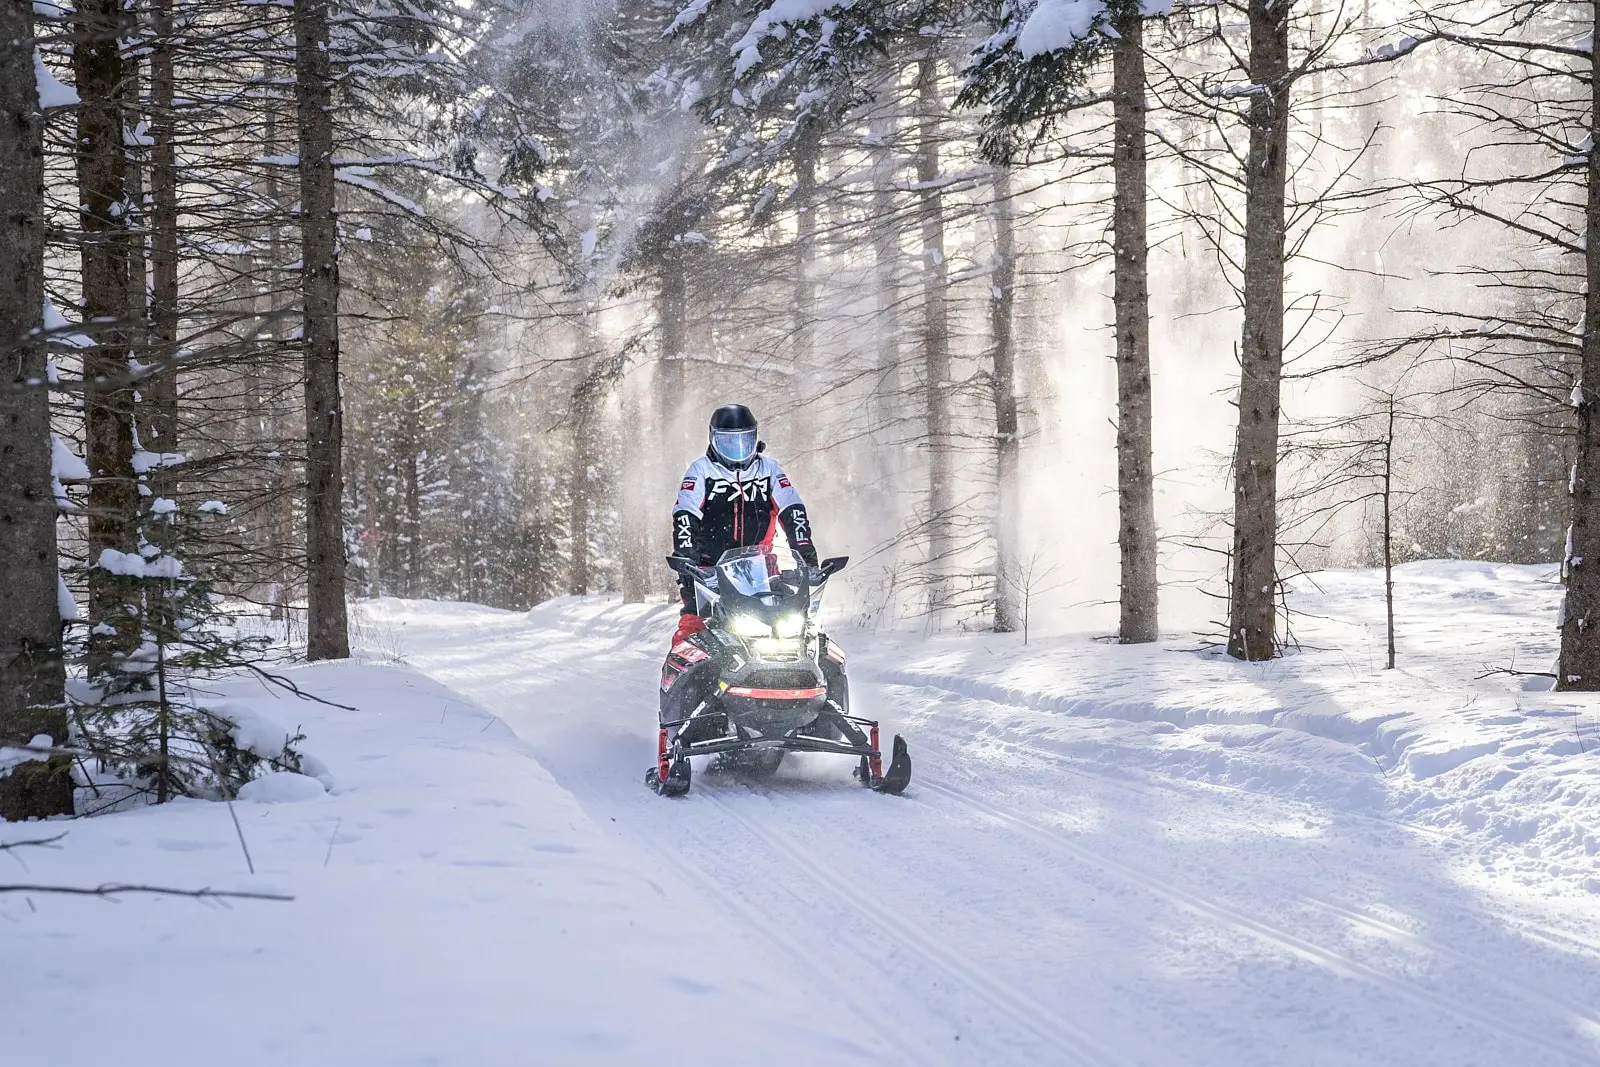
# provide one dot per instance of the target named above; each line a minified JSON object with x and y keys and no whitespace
{"x":731,"y":497}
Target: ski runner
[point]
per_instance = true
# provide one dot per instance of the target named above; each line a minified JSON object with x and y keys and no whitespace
{"x":731,"y":497}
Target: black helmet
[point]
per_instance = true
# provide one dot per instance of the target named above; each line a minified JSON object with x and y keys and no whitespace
{"x":733,"y":436}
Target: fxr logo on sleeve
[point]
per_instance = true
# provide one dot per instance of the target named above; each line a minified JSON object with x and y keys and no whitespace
{"x":687,"y":486}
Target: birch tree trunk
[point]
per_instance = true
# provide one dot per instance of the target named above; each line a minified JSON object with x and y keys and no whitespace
{"x":935,"y":334}
{"x":327,"y":628}
{"x":30,"y":628}
{"x":1007,"y":446}
{"x":1579,"y":664}
{"x":1253,"y":584}
{"x":102,"y":170}
{"x":1136,"y":508}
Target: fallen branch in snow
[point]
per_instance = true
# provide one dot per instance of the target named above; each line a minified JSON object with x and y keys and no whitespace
{"x":115,"y":888}
{"x":35,"y":842}
{"x":1490,"y":672}
{"x":283,"y":683}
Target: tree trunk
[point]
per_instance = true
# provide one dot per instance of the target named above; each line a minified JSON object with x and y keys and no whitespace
{"x":277,"y":301}
{"x":887,"y":268}
{"x":376,"y":532}
{"x":672,"y":314}
{"x":31,"y":674}
{"x":102,"y":168}
{"x":650,"y":522}
{"x":804,"y":353}
{"x":1388,"y":530}
{"x":935,"y":336}
{"x":1579,"y":664}
{"x":578,"y":496}
{"x":161,"y":389}
{"x":1007,"y":445}
{"x":410,"y":469}
{"x":1136,"y":507}
{"x":327,"y":628}
{"x":1253,"y":587}
{"x":638,"y":510}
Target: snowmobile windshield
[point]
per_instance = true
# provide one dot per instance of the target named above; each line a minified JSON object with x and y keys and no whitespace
{"x":749,"y":570}
{"x":734,"y":446}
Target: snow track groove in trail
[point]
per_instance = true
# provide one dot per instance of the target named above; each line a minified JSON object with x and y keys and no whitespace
{"x":1271,"y":933}
{"x":793,"y":948}
{"x":1056,"y":1032}
{"x":1582,"y":1014}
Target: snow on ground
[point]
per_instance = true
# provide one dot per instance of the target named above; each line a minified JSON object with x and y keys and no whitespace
{"x":1108,"y":856}
{"x":453,"y":905}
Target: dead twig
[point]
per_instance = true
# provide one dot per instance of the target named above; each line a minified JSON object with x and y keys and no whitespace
{"x":111,"y":889}
{"x":34,"y":842}
{"x":1490,"y":672}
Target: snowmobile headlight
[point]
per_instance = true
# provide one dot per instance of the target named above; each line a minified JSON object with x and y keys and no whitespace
{"x":749,"y":626}
{"x":776,"y":648}
{"x":791,"y":625}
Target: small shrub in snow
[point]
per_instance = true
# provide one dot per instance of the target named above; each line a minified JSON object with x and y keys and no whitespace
{"x":144,"y":717}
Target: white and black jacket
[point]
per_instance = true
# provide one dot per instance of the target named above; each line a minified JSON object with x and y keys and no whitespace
{"x":719,"y":509}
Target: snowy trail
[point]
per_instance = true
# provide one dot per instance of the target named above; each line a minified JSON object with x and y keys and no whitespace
{"x":1047,"y":891}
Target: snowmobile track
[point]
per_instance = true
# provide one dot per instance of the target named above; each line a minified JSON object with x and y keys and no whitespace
{"x":1135,"y":783}
{"x":1256,"y":928}
{"x":774,"y":936}
{"x":1582,"y":1014}
{"x":1091,"y":772}
{"x":1057,"y":1033}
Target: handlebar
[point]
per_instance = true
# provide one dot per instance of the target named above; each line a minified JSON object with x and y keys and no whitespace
{"x":826,"y":569}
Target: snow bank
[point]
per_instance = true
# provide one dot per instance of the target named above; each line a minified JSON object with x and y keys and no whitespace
{"x":1513,"y":772}
{"x":452,"y":904}
{"x":260,"y":735}
{"x":282,"y":787}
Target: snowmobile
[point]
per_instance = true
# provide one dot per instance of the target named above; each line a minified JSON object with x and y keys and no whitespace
{"x":762,"y":679}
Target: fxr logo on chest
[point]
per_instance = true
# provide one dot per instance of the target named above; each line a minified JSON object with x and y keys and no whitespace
{"x":755,"y":491}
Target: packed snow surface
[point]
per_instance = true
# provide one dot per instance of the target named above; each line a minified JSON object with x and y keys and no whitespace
{"x":1108,"y":856}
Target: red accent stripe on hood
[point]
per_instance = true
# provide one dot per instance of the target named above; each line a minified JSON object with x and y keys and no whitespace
{"x":776,"y":694}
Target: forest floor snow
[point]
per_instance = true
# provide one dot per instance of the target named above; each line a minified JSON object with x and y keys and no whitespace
{"x":1108,"y":856}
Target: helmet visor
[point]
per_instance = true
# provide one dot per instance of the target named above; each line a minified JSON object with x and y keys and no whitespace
{"x":734,"y":446}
